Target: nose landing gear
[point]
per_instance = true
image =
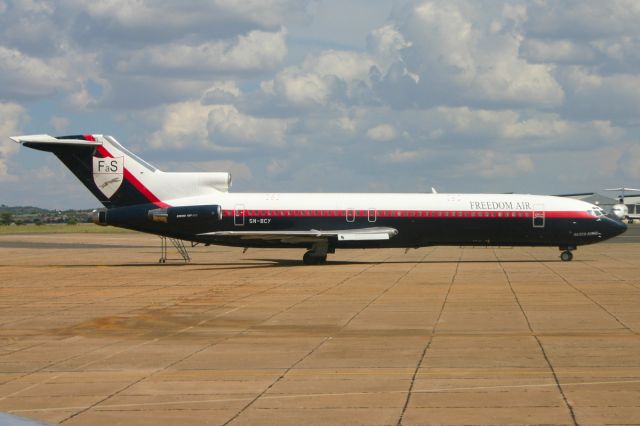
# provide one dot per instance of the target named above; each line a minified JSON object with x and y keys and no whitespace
{"x":566,"y":255}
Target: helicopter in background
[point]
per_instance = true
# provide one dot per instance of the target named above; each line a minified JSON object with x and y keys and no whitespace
{"x":621,"y":210}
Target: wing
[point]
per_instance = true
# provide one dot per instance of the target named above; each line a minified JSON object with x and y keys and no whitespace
{"x":361,"y":234}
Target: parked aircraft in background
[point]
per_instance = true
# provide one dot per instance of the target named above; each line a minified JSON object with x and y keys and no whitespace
{"x":621,"y":210}
{"x":198,"y":207}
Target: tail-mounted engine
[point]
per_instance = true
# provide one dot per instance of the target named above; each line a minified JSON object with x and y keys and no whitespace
{"x":187,"y":214}
{"x":99,"y":217}
{"x":138,"y":215}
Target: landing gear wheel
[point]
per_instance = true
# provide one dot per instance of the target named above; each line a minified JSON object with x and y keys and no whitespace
{"x":310,"y":259}
{"x":566,"y":256}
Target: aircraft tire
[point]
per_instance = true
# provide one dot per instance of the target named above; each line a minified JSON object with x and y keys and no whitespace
{"x":310,"y":259}
{"x":566,"y":256}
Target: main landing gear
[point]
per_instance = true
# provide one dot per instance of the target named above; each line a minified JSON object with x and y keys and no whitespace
{"x":310,"y":258}
{"x":317,"y":255}
{"x":566,"y":255}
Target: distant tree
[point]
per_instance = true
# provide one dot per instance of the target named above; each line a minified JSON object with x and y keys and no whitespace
{"x":37,"y":221}
{"x":6,"y":218}
{"x":72,"y":221}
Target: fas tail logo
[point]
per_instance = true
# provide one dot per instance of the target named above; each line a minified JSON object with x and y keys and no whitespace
{"x":108,"y":174}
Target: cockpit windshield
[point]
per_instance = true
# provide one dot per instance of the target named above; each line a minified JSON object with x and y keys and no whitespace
{"x":596,"y":211}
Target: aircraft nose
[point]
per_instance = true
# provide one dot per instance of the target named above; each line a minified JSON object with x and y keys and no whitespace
{"x":614,"y":226}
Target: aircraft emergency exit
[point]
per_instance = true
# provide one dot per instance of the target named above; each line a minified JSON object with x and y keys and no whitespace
{"x":199,"y":207}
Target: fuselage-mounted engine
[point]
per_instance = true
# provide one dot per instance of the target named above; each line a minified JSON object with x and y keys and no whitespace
{"x":187,"y":215}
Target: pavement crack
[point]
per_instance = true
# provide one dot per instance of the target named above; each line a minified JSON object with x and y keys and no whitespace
{"x":428,"y":345}
{"x":322,"y":342}
{"x":539,"y":342}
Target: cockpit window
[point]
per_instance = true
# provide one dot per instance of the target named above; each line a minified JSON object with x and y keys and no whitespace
{"x":596,"y":211}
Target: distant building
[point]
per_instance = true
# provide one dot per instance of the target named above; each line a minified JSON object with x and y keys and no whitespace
{"x":633,"y":203}
{"x":603,"y":201}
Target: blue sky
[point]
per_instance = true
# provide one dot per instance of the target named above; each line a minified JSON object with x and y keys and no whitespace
{"x":289,"y":95}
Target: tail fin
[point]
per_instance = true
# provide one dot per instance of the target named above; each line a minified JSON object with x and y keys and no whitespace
{"x":114,"y":175}
{"x":119,"y":178}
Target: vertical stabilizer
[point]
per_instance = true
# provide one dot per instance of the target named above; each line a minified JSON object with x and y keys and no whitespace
{"x":115,"y":176}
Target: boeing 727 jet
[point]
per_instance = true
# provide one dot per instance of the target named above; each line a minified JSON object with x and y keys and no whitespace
{"x":199,"y":207}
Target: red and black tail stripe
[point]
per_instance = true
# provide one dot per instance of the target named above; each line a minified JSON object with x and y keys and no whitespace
{"x":130,"y":179}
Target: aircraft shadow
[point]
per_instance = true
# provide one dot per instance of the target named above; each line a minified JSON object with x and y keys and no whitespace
{"x":284,"y":263}
{"x":288,"y":263}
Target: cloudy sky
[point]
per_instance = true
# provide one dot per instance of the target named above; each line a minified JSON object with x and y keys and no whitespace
{"x":360,"y":95}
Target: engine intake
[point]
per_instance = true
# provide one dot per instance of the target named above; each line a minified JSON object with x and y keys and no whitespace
{"x":99,"y":217}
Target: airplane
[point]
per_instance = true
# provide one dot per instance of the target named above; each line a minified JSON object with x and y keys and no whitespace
{"x":621,"y":210}
{"x":199,"y":207}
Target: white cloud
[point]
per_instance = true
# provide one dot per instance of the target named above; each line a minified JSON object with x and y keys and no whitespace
{"x":347,"y":66}
{"x":59,"y":124}
{"x":146,"y":20}
{"x":304,"y":89}
{"x":556,"y":51}
{"x":221,"y":92}
{"x":628,"y":162}
{"x":386,"y":44}
{"x":229,"y":127}
{"x":192,"y":124}
{"x":382,"y":133}
{"x":398,"y":156}
{"x":240,"y":171}
{"x":456,"y":53}
{"x":537,"y":129}
{"x":12,"y":118}
{"x":491,"y":165}
{"x":26,"y":77}
{"x":605,"y":97}
{"x":183,"y":124}
{"x":580,"y":19}
{"x":276,"y":167}
{"x":328,"y":79}
{"x":257,"y":51}
{"x":471,"y":121}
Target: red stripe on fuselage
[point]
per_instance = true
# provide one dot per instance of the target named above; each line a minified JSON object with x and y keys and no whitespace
{"x":420,"y":214}
{"x":134,"y":181}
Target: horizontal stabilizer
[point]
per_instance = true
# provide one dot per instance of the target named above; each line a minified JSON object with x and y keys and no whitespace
{"x":50,"y":140}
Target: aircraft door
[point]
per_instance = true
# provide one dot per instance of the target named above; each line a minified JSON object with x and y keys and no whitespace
{"x":538,"y":216}
{"x":238,"y":215}
{"x":372,"y":215}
